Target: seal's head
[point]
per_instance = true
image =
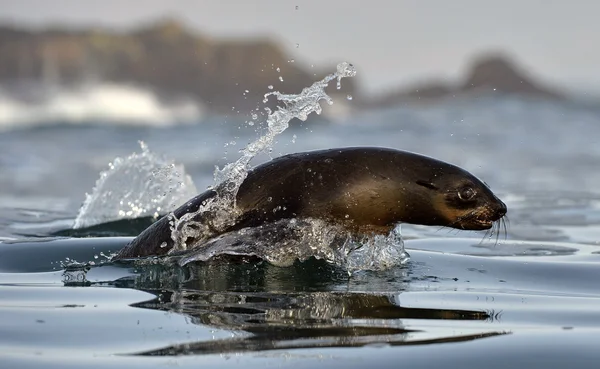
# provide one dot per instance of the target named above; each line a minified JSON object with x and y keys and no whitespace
{"x":373,"y":189}
{"x":463,"y":201}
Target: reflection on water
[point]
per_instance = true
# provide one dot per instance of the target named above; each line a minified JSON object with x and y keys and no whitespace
{"x":272,"y":308}
{"x":305,"y":320}
{"x":230,"y":306}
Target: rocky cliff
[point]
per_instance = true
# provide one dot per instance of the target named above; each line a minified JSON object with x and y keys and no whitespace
{"x":488,"y":73}
{"x":225,"y":75}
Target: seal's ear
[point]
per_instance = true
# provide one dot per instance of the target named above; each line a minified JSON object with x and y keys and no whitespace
{"x":429,"y":185}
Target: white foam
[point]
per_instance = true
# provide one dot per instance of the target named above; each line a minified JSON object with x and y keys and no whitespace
{"x":104,"y":102}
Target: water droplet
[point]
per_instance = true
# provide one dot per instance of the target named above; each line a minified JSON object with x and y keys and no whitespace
{"x":294,"y":138}
{"x":297,"y":45}
{"x":293,"y":106}
{"x":346,"y":216}
{"x":278,"y":69}
{"x":281,"y":78}
{"x":296,"y":7}
{"x":349,"y":97}
{"x":270,"y":87}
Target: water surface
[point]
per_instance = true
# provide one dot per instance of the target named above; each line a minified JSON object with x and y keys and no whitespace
{"x":530,"y":299}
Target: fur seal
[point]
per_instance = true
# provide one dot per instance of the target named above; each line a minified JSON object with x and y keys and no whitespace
{"x":366,"y":189}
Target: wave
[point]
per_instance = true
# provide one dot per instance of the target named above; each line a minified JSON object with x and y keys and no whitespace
{"x":118,"y":104}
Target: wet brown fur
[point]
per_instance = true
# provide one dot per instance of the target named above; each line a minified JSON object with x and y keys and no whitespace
{"x":365,"y":189}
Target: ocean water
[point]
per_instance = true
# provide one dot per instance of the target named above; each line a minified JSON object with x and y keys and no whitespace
{"x":463,"y":300}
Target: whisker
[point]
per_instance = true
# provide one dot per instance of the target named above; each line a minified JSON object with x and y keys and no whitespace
{"x":485,"y":235}
{"x":439,"y":229}
{"x":497,"y":232}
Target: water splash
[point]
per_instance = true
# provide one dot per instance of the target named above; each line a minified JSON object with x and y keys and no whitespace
{"x":375,"y":253}
{"x":286,"y":241}
{"x":141,"y":185}
{"x":229,"y":179}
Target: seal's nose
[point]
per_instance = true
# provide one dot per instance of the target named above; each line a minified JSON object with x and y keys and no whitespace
{"x":500,"y":209}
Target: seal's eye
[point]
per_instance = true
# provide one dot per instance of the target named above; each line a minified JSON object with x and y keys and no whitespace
{"x":466,"y":193}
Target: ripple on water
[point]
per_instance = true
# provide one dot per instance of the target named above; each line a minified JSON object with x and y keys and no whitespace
{"x":237,"y":306}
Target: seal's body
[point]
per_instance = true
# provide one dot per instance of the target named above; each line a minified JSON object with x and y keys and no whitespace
{"x":365,"y":189}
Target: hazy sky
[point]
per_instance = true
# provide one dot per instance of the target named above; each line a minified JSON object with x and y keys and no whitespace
{"x":389,"y":41}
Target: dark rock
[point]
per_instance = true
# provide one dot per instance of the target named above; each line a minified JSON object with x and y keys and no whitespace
{"x":164,"y":56}
{"x":500,"y":73}
{"x":490,"y":73}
